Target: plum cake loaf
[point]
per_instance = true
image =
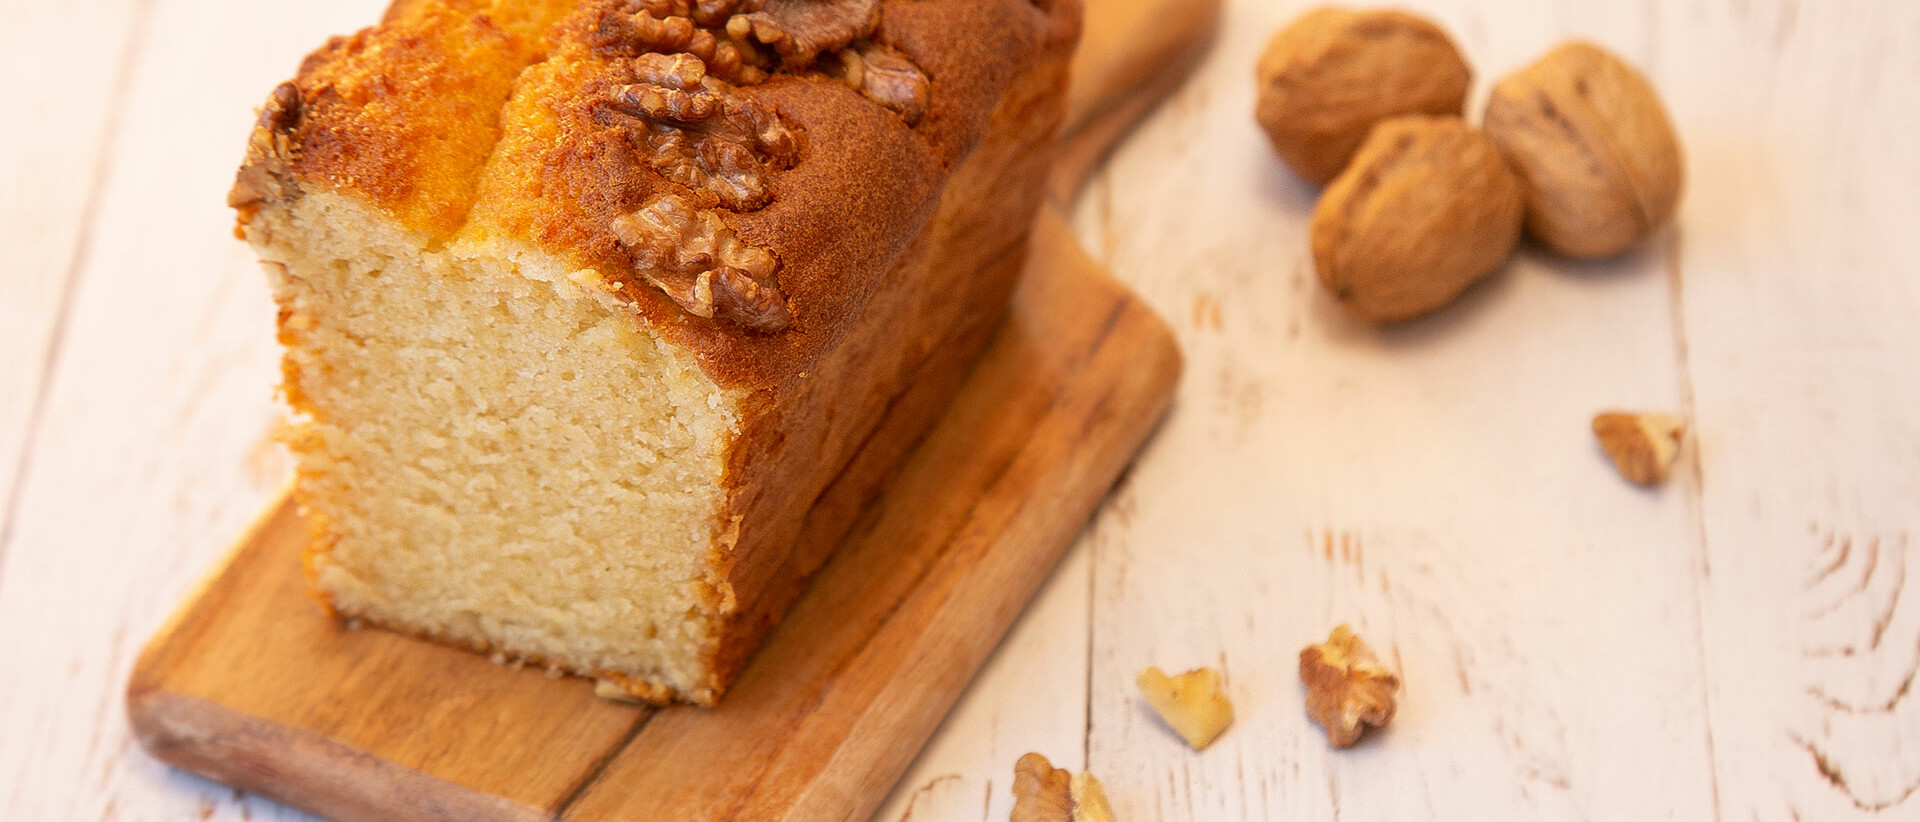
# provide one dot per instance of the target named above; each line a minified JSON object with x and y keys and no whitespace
{"x":603,"y":318}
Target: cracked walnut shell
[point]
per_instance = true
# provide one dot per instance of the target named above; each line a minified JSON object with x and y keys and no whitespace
{"x":1643,"y":446}
{"x":1427,"y":208}
{"x":1347,"y":686}
{"x":1043,"y":793}
{"x":1327,"y":78}
{"x":1192,"y":703}
{"x":1594,"y":146}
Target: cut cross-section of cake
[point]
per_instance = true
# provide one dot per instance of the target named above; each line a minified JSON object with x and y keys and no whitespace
{"x":604,"y":318}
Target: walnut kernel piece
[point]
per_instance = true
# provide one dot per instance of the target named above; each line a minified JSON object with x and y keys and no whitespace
{"x":696,"y":259}
{"x":1192,"y":703}
{"x":1347,"y":687}
{"x":263,"y":178}
{"x":1043,"y":793}
{"x":1643,"y":446}
{"x":801,"y":30}
{"x":1328,"y":77}
{"x":1593,"y":144}
{"x":1427,"y":208}
{"x":886,"y":77}
{"x":700,"y":131}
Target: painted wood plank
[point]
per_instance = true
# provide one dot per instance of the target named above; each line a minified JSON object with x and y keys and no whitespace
{"x":1800,"y":280}
{"x":152,"y":452}
{"x":68,"y":62}
{"x":1433,"y":484}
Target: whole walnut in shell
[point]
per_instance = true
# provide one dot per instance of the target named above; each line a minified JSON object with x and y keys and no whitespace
{"x":1426,"y":208}
{"x":1594,"y":146}
{"x":1327,"y":78}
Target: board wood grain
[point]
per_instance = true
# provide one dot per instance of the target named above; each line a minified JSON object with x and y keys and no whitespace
{"x":253,"y":685}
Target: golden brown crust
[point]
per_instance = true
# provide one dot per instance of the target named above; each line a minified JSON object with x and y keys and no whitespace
{"x":415,"y":116}
{"x":404,"y":114}
{"x":867,"y":403}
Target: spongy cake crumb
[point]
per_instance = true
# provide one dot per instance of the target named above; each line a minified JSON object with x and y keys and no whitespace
{"x":491,"y":465}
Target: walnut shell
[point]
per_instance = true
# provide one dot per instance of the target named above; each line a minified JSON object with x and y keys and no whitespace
{"x":1043,"y":793}
{"x":1327,"y":78}
{"x":1426,"y":208}
{"x":1594,"y":147}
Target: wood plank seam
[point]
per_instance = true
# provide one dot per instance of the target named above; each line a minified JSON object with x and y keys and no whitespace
{"x":69,"y":283}
{"x":1695,"y":489}
{"x":1086,"y":678}
{"x":599,"y":766}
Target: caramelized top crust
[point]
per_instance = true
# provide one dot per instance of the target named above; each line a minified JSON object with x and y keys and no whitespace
{"x":737,"y":173}
{"x":404,"y":114}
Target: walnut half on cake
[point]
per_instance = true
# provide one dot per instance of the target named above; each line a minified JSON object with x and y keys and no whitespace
{"x":604,"y":317}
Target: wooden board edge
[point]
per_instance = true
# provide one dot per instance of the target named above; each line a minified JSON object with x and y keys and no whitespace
{"x":1153,"y":386}
{"x":1137,"y":400}
{"x":314,"y":773}
{"x":330,"y":779}
{"x":1129,"y":399}
{"x":1127,"y":81}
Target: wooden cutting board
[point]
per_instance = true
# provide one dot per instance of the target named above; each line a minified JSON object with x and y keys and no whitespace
{"x":252,"y":685}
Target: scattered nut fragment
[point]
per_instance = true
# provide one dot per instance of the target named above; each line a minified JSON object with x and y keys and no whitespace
{"x":1347,"y":687}
{"x":1593,"y":144}
{"x":1043,"y":793}
{"x":1643,"y":446}
{"x":1192,"y":703}
{"x":1427,"y":208}
{"x":266,"y":176}
{"x":1327,"y":78}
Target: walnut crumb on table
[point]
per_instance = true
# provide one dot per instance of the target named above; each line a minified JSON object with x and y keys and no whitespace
{"x":1044,"y":793}
{"x":1192,"y":703}
{"x":1347,"y":686}
{"x":1643,"y":446}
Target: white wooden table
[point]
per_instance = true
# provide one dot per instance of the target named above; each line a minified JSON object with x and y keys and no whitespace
{"x":1735,"y":646}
